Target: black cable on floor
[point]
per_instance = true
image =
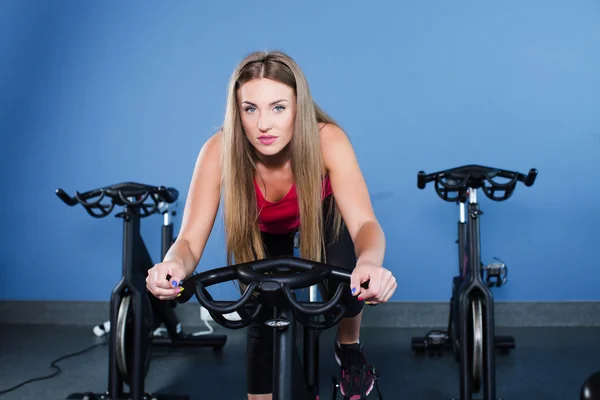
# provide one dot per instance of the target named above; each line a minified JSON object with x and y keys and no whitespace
{"x":53,"y":365}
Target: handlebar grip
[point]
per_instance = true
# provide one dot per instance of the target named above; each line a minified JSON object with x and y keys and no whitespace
{"x":421,"y":180}
{"x":170,"y":195}
{"x":530,"y":179}
{"x":65,"y":197}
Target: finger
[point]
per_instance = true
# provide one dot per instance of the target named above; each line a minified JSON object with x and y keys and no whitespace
{"x":177,"y":275}
{"x":388,"y":291}
{"x":166,"y":297}
{"x":160,"y":292}
{"x":159,"y":278}
{"x":377,"y":296}
{"x":372,"y":291}
{"x":389,"y":294}
{"x":386,"y":282}
{"x":150,"y":284}
{"x":355,"y":280}
{"x":156,"y":291}
{"x":156,"y":277}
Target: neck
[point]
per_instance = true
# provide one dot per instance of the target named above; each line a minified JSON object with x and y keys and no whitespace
{"x":278,"y":160}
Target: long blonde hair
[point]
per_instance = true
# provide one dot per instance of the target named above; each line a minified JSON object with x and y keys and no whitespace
{"x":243,"y":238}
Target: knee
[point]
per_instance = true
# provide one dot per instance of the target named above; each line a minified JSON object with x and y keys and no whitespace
{"x":353,"y":306}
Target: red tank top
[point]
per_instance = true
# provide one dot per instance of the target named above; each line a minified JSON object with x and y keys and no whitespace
{"x":282,"y":216}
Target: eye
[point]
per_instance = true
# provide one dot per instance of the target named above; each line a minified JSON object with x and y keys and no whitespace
{"x":250,"y":109}
{"x":279,"y":108}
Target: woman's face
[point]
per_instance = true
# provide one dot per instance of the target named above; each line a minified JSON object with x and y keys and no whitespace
{"x":268,"y":112}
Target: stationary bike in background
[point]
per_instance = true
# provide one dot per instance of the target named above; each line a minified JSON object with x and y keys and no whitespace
{"x":134,"y":313}
{"x":471,"y":326}
{"x":172,"y":335}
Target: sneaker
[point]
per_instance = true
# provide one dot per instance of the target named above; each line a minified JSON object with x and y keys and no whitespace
{"x":357,"y":376}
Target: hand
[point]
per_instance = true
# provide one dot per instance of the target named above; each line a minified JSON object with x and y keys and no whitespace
{"x":382,"y":283}
{"x":158,"y":284}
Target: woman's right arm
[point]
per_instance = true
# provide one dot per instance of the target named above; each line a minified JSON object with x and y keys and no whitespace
{"x":201,"y":207}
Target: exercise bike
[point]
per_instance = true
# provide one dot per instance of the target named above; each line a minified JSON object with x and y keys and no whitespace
{"x":134,"y":313}
{"x":172,"y":335}
{"x":471,"y":329}
{"x":270,"y":282}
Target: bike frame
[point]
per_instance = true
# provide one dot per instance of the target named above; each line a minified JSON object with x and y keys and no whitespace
{"x":462,"y":240}
{"x":311,"y":353}
{"x":287,"y":377}
{"x":471,"y":288}
{"x":135,"y":256}
{"x":310,"y":348}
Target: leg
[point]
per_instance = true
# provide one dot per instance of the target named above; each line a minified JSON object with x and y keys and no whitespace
{"x":260,"y":396}
{"x":349,"y":329}
{"x":259,"y":359}
{"x":357,"y":377}
{"x":259,"y":362}
{"x":340,"y":253}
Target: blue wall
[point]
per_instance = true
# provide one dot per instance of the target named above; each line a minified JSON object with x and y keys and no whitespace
{"x":97,"y":93}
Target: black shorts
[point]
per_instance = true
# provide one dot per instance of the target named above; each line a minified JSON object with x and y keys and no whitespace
{"x":259,"y":360}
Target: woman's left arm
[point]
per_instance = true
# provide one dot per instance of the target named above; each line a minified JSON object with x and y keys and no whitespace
{"x":352,"y":198}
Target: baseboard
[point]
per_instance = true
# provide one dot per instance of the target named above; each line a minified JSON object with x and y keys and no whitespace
{"x":391,"y":315}
{"x":507,"y":314}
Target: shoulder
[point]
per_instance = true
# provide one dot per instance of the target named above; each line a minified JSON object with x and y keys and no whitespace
{"x":211,"y":149}
{"x":331,"y":133}
{"x":213,"y":143}
{"x":335,"y":145}
{"x":208,"y":162}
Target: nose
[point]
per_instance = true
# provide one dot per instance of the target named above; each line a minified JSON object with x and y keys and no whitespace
{"x":264,"y":124}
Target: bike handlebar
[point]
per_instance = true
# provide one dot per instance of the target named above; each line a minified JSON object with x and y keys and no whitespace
{"x":271,"y":281}
{"x":123,"y":194}
{"x":459,"y":180}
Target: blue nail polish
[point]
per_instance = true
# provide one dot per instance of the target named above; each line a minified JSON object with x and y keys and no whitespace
{"x":353,"y":290}
{"x":174,"y":283}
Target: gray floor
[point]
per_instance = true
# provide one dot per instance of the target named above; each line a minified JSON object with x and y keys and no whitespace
{"x":548,"y":363}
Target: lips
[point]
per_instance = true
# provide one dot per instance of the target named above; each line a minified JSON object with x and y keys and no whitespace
{"x":267,"y":139}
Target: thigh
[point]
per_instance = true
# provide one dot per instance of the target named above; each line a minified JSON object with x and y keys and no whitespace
{"x":259,"y":337}
{"x":339,"y":251}
{"x":259,"y":360}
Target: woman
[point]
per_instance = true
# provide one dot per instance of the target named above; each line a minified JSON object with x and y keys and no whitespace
{"x":281,"y":165}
